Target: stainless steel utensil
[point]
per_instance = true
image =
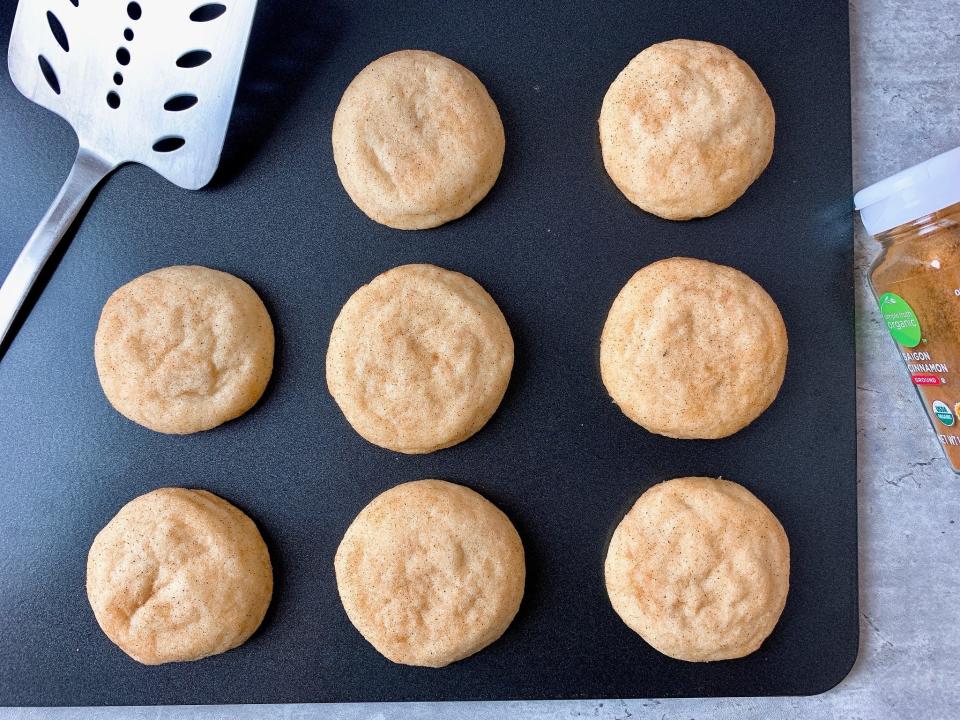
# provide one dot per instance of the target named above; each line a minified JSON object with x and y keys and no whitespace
{"x":151,"y":82}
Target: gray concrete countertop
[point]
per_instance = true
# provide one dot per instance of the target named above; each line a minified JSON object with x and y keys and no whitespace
{"x":905,"y":57}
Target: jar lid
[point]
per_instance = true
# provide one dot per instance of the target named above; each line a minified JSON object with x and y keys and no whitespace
{"x":910,"y":194}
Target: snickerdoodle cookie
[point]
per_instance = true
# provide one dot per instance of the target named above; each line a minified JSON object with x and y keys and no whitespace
{"x":178,"y":575}
{"x":184,"y":348}
{"x":700,"y":568}
{"x":419,"y":359}
{"x":417,"y":140}
{"x":430,"y":572}
{"x":685,"y":129}
{"x":692,"y":349}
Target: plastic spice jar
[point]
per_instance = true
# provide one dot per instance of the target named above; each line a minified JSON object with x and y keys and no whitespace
{"x":915,"y":216}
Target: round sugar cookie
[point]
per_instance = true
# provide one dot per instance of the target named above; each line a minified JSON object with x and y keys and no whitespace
{"x":685,"y":129}
{"x":700,"y":569}
{"x":184,"y":348}
{"x":419,"y":359}
{"x":417,"y":140}
{"x":178,"y":575}
{"x":430,"y":572}
{"x":691,"y":349}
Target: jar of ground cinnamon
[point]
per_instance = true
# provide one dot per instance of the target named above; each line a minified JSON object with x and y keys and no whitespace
{"x":915,"y":216}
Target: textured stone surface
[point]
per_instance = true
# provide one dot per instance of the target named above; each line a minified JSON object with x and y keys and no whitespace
{"x":906,"y":108}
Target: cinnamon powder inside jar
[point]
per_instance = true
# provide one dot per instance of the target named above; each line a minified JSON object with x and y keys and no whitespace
{"x":917,"y":283}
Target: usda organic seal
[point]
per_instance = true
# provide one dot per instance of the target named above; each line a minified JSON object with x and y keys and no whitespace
{"x":943,"y":413}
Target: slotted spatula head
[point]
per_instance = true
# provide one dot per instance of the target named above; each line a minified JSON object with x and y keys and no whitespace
{"x":151,"y":82}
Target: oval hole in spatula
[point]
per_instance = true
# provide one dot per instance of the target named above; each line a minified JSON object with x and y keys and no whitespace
{"x":168,"y":144}
{"x":48,"y":74}
{"x":194,"y":58}
{"x":180,"y":102}
{"x":208,"y":12}
{"x":59,"y":34}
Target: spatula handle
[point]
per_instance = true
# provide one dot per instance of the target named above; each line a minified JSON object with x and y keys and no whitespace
{"x":88,"y":170}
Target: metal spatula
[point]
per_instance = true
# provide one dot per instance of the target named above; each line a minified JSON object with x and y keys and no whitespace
{"x":151,"y":82}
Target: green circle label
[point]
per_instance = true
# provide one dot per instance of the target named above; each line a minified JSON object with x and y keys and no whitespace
{"x":942,"y":411}
{"x":901,"y":320}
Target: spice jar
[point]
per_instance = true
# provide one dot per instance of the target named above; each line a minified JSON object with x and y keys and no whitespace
{"x":915,"y":216}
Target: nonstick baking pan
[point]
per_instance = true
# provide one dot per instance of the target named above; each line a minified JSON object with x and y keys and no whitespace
{"x":553,"y":243}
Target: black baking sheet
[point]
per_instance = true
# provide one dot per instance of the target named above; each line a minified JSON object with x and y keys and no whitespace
{"x":553,"y":243}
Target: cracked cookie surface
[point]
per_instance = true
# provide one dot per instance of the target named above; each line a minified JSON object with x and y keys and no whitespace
{"x":699,"y":568}
{"x":419,"y":359}
{"x":692,"y":349}
{"x":184,"y":348}
{"x":430,"y":572}
{"x":685,"y":129}
{"x":417,"y":140}
{"x":178,"y":575}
